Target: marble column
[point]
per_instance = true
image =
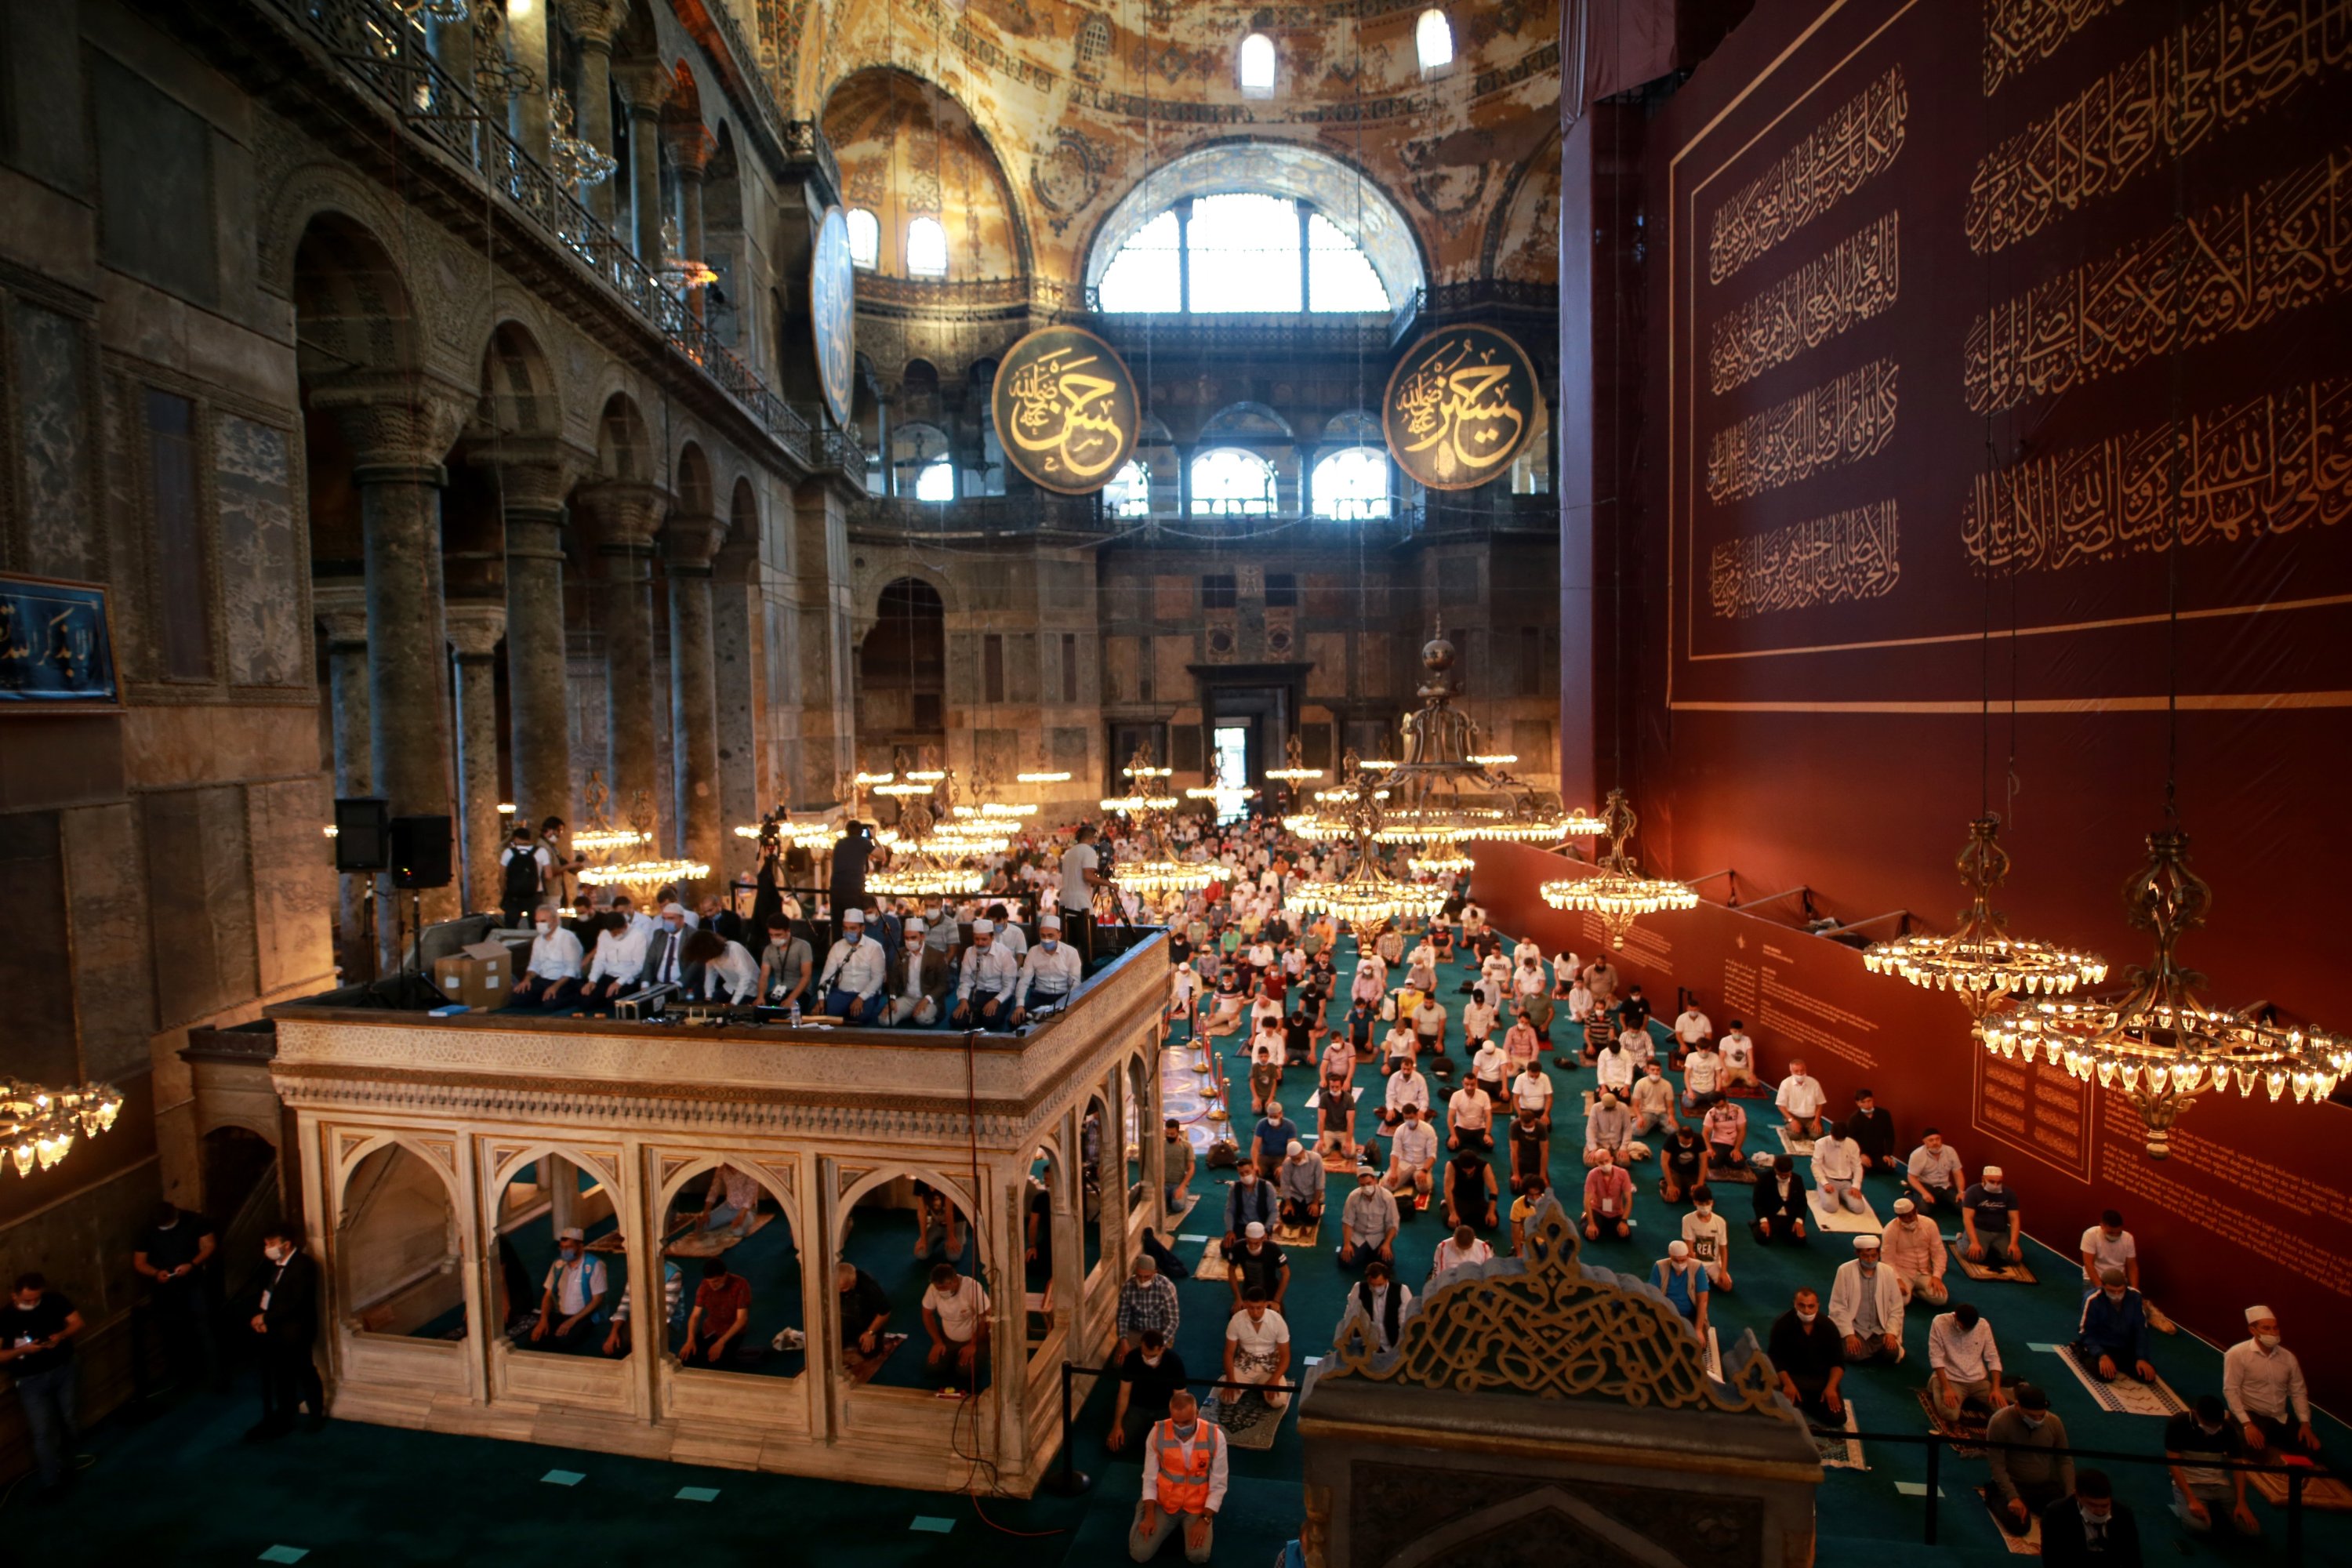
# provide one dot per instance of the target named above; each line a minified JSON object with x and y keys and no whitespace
{"x":628,"y":513}
{"x":645,"y":87}
{"x":534,"y":474}
{"x":526,"y":41}
{"x":737,"y":628}
{"x":593,"y":25}
{"x":828,"y":726}
{"x":476,"y":626}
{"x":399,"y":428}
{"x":688,"y":545}
{"x":341,"y":609}
{"x":690,"y":147}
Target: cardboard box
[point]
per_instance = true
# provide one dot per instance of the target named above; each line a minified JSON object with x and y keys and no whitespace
{"x":479,"y":977}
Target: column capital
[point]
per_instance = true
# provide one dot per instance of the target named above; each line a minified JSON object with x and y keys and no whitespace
{"x":396,"y":419}
{"x":690,"y":542}
{"x":534,"y":472}
{"x":691,"y":147}
{"x":645,"y":84}
{"x":339,"y":605}
{"x":474,"y":626}
{"x":627,"y":512}
{"x":593,"y":22}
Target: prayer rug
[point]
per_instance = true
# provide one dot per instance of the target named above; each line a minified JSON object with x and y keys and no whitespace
{"x":2016,"y":1273}
{"x":711,"y":1243}
{"x":2026,"y":1545}
{"x":2323,"y":1492}
{"x":1212,"y":1261}
{"x":1841,"y":1450}
{"x":1737,"y":1176}
{"x":1798,"y":1146}
{"x":863,"y":1371}
{"x":2126,"y":1395}
{"x":1844,"y":1218}
{"x":1249,"y":1422}
{"x":1297,"y":1235}
{"x":1748,"y":1092}
{"x":1338,"y":1165}
{"x":1965,"y":1430}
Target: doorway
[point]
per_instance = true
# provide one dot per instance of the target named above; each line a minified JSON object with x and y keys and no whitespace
{"x":1230,"y":769}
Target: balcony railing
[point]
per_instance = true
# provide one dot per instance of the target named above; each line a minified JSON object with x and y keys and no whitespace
{"x":980,"y":514}
{"x":390,"y":56}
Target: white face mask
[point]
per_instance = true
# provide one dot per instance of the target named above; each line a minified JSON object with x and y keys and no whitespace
{"x":275,"y":1254}
{"x":1150,"y":1359}
{"x":1705,"y":1209}
{"x":1805,"y":1317}
{"x":2268,"y":1341}
{"x":2031,"y":1418}
{"x":2115,"y":1293}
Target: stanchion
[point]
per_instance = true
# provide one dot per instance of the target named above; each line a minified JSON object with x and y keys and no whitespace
{"x":2294,"y":1513}
{"x":1935,"y":1470}
{"x":1065,"y":1480}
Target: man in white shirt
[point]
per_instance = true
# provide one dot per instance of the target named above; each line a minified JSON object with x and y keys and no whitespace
{"x":1477,"y":1022}
{"x":1257,"y":1349}
{"x":726,"y":968}
{"x":1866,"y":1305}
{"x":854,"y":974}
{"x":955,"y":1315}
{"x":1937,"y":1178}
{"x":1080,"y":876}
{"x":1405,"y":1088}
{"x":1265,"y":1057}
{"x":1801,"y":1101}
{"x":1381,"y":1301}
{"x":1738,"y":1054}
{"x":620,"y":959}
{"x":1463,"y":1247}
{"x":1413,"y":1155}
{"x":1837,"y":1174}
{"x":1692,"y":1029}
{"x":2107,"y":1245}
{"x":1608,"y":1131}
{"x":1490,"y":1069}
{"x":553,"y":972}
{"x":1914,"y":1251}
{"x":2261,"y":1383}
{"x":1050,"y":973}
{"x":1470,"y":1119}
{"x":574,"y":1296}
{"x":1399,"y":1049}
{"x":1368,"y":1221}
{"x":1702,"y":1077}
{"x":1429,"y":1026}
{"x":991,"y":970}
{"x":1964,"y":1362}
{"x":1613,"y":1069}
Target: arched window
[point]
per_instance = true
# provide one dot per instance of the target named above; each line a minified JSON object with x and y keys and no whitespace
{"x":1128,"y":494}
{"x":935,"y":480}
{"x":1230,"y":483}
{"x":865,"y":237}
{"x":1241,"y":251}
{"x":920,"y":466}
{"x":1351,"y":485}
{"x":1257,"y":63}
{"x":1433,"y":39}
{"x":927,"y":248}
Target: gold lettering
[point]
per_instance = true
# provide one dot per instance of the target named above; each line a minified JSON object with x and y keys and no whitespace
{"x":2020,"y":32}
{"x":1839,"y":421}
{"x":1061,"y":412}
{"x":1813,"y":304}
{"x":2266,"y":467}
{"x":1856,"y":141}
{"x":1846,"y":555}
{"x":1459,"y":411}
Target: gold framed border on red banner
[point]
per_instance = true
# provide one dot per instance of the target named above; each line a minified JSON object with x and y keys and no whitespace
{"x":1067,"y":410}
{"x":1460,"y":404}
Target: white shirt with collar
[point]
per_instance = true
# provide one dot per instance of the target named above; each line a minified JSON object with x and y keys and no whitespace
{"x":2258,"y":1382}
{"x":555,"y":956}
{"x":620,"y":955}
{"x":988,"y":971}
{"x":856,"y":967}
{"x":735,"y":971}
{"x":1048,"y":974}
{"x":1408,"y":1089}
{"x":1801,"y":1095}
{"x":1961,"y":1355}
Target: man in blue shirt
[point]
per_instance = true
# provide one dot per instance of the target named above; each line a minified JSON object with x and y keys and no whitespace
{"x":1275,"y":1133}
{"x":2114,"y":1330}
{"x":1683,"y":1280}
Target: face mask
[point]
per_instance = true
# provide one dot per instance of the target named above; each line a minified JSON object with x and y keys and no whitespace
{"x":2116,"y":1295}
{"x":275,"y":1254}
{"x":1151,"y":1361}
{"x":2031,"y":1420}
{"x":852,"y":937}
{"x":669,"y":925}
{"x":570,"y":1254}
{"x":1805,"y":1317}
{"x":1705,"y":1210}
{"x":1869,"y":1265}
{"x":1992,"y":1187}
{"x":28,"y":1306}
{"x":2268,"y":1341}
{"x":1046,"y":943}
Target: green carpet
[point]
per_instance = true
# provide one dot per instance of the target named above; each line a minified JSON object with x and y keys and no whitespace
{"x":178,"y":1486}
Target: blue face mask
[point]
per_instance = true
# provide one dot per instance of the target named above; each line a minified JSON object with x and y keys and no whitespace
{"x":669,"y":925}
{"x":1046,"y":943}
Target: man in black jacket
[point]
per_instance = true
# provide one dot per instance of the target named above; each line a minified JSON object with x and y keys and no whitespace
{"x":1872,"y":1131}
{"x":1780,"y":1200}
{"x":1810,"y":1355}
{"x":286,"y":1316}
{"x":2089,"y":1528}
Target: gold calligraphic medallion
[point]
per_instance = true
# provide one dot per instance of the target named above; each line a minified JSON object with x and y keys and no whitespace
{"x":1459,"y":406}
{"x":1067,"y":410}
{"x":833,"y":312}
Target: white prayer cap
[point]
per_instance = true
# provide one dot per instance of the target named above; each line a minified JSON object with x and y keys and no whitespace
{"x":1992,"y":1173}
{"x":571,"y":1233}
{"x":1049,"y":923}
{"x":1296,"y":1147}
{"x":1865,"y":1244}
{"x":914,"y":925}
{"x":1678,"y":1250}
{"x":2257,"y":1314}
{"x":853,"y":917}
{"x":1905,"y":1206}
{"x":983,"y":928}
{"x":673,"y":909}
{"x":1257,"y":1230}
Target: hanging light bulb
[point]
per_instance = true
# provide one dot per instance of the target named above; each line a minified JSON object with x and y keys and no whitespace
{"x":1980,"y":962}
{"x":1618,"y":893}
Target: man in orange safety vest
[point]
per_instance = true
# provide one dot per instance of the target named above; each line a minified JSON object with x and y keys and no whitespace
{"x":1184,"y":1482}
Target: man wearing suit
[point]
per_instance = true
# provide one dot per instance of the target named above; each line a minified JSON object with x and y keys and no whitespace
{"x":2090,"y":1527}
{"x":920,"y":977}
{"x":666,"y":960}
{"x":286,"y":1316}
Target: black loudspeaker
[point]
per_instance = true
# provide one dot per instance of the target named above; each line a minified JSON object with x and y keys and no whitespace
{"x":362,"y":835}
{"x":420,"y":852}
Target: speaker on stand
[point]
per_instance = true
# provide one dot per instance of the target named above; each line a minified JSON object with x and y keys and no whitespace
{"x":418,"y":856}
{"x":363,"y":847}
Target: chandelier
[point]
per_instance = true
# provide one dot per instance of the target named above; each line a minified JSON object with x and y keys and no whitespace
{"x":1294,"y":771}
{"x":676,"y":273}
{"x":445,"y":12}
{"x":38,"y":1126}
{"x":2159,"y":1047}
{"x":1979,"y":963}
{"x":927,"y":859}
{"x":1158,"y":874}
{"x":1141,"y":773}
{"x":579,"y":163}
{"x":643,"y":873}
{"x":1618,"y":893}
{"x":1445,"y":790}
{"x":498,"y":75}
{"x":1367,"y":898}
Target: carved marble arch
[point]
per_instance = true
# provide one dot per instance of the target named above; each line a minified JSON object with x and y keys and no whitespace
{"x":520,"y":395}
{"x":351,"y":1146}
{"x":886,"y":567}
{"x":503,"y":1162}
{"x":743,"y":519}
{"x":353,"y":308}
{"x":1522,"y":242}
{"x":957,"y":1190}
{"x":1351,"y":197}
{"x":778,"y":1176}
{"x":625,"y":450}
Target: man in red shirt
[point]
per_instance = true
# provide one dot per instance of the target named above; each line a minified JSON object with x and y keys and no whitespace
{"x":722,"y":1306}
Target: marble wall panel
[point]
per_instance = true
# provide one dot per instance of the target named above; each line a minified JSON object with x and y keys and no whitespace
{"x":35,"y":962}
{"x":200,"y":899}
{"x":262,"y":590}
{"x":106,"y":911}
{"x":56,"y":532}
{"x":293,"y":882}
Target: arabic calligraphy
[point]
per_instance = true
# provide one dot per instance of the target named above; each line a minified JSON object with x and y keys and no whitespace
{"x":53,"y":642}
{"x":1458,"y":407}
{"x":2229,"y":269}
{"x":1845,"y":555}
{"x":2253,"y":470}
{"x":1854,"y":281}
{"x":2020,"y":32}
{"x":1841,"y":421}
{"x":1067,"y":410}
{"x":2231,"y":63}
{"x":1856,"y":141}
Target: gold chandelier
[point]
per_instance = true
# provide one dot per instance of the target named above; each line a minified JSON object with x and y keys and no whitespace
{"x":643,"y":873}
{"x":1158,"y":875}
{"x":1618,"y":893}
{"x":38,"y":1126}
{"x":1980,"y":962}
{"x":1367,"y":898}
{"x":2159,"y":1047}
